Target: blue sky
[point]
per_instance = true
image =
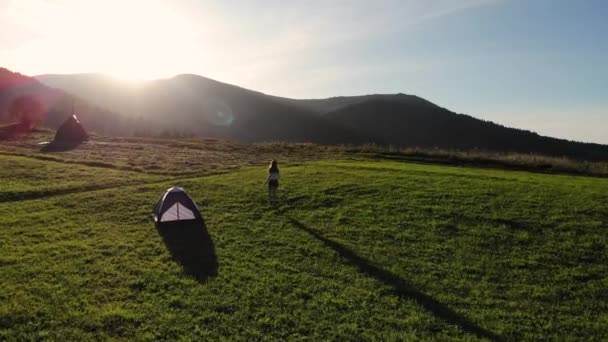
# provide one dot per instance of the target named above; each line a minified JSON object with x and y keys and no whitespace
{"x":534,"y":64}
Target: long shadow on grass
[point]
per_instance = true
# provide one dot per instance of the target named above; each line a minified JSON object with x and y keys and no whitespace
{"x":400,"y":286}
{"x":60,"y":147}
{"x":191,"y":246}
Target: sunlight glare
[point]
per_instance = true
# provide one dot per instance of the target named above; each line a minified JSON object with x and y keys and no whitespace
{"x":135,"y":39}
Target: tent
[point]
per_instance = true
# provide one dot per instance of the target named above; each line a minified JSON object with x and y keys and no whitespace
{"x":71,"y":132}
{"x":176,"y":205}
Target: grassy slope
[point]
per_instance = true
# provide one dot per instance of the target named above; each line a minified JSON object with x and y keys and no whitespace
{"x":167,"y":157}
{"x":357,"y":250}
{"x":185,"y":157}
{"x":30,"y":178}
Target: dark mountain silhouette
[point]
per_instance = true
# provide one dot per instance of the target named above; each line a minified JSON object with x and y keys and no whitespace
{"x":54,"y":105}
{"x":401,"y":123}
{"x":324,"y":106}
{"x":194,"y":105}
{"x":191,"y":105}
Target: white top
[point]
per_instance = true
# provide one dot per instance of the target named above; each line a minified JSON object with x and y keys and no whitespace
{"x":177,"y":212}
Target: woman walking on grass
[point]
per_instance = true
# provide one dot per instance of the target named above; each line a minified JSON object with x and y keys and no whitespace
{"x":273,"y":182}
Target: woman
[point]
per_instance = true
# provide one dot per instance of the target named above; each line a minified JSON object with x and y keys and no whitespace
{"x":273,"y":182}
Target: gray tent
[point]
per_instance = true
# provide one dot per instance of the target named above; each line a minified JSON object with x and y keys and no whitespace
{"x":176,"y":205}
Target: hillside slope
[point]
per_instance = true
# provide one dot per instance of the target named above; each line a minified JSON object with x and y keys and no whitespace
{"x":54,"y":105}
{"x":430,"y":126}
{"x":194,"y":105}
{"x":328,"y":105}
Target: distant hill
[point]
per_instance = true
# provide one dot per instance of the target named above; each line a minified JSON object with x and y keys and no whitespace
{"x":194,"y":105}
{"x":324,"y":106}
{"x":55,"y":104}
{"x":191,"y":105}
{"x":402,"y":123}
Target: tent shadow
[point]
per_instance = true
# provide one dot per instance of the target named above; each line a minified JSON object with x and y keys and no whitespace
{"x":401,"y":287}
{"x":190,"y":246}
{"x":59,"y":147}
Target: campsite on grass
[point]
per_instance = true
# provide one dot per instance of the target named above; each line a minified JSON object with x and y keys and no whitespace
{"x":372,"y":247}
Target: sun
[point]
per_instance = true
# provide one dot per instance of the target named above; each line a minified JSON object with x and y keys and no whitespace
{"x":131,"y":40}
{"x":154,"y":45}
{"x":135,"y":74}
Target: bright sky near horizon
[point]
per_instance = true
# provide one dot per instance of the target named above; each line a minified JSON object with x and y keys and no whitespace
{"x":533,"y":64}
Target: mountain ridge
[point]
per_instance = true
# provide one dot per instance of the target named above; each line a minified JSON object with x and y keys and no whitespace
{"x":193,"y":105}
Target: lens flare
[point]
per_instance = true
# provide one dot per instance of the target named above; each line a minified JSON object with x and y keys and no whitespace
{"x":218,"y":113}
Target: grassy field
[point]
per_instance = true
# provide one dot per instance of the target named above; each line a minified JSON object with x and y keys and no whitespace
{"x":168,"y":157}
{"x":198,"y":156}
{"x":357,"y":250}
{"x":25,"y":178}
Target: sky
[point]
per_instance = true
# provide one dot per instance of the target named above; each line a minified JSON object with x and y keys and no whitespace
{"x":540,"y":65}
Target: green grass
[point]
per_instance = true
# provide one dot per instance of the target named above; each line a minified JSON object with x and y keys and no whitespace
{"x":479,"y":158}
{"x":25,"y":178}
{"x":177,"y":158}
{"x":188,"y":157}
{"x":357,"y":250}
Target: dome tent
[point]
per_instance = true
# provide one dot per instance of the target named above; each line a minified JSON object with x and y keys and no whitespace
{"x":175,"y":205}
{"x":183,"y":230}
{"x":71,"y":132}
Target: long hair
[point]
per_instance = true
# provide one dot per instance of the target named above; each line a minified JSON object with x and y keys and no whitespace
{"x":273,"y":167}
